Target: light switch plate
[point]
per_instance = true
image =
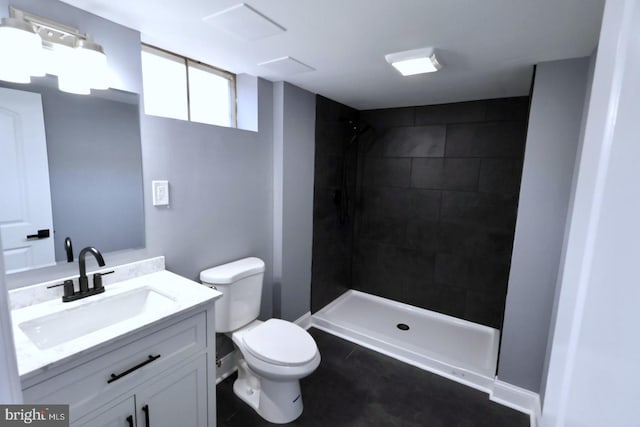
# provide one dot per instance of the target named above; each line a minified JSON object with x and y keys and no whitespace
{"x":160,"y":191}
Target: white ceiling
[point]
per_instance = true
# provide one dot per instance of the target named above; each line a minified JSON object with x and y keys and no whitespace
{"x":488,"y":46}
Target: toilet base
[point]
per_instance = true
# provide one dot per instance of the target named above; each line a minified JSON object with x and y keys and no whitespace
{"x":278,"y":402}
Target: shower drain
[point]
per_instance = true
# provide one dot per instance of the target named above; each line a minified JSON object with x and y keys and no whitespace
{"x":402,"y":326}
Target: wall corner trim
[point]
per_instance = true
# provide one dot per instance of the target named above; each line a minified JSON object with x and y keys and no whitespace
{"x":304,"y":321}
{"x":517,"y":398}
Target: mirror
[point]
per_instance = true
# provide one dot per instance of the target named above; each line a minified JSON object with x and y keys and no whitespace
{"x":94,"y":167}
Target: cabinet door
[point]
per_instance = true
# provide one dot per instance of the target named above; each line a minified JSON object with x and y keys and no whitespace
{"x":178,"y":398}
{"x":119,"y":415}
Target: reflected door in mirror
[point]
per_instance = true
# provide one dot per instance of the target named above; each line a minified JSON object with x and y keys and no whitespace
{"x":25,"y":201}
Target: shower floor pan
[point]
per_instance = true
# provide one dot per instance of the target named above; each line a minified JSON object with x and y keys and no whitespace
{"x":454,"y":348}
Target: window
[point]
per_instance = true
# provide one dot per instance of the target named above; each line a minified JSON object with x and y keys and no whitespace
{"x":181,"y":88}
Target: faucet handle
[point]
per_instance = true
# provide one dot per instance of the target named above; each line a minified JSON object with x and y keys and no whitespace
{"x":68,"y":288}
{"x":104,"y":273}
{"x":97,"y":280}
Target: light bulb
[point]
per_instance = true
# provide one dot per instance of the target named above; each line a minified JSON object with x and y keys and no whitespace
{"x":20,"y":49}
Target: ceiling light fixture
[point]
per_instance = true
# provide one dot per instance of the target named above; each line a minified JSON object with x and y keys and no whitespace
{"x":31,"y":45}
{"x":415,"y":61}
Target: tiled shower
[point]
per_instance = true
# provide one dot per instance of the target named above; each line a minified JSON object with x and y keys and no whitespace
{"x":423,"y":211}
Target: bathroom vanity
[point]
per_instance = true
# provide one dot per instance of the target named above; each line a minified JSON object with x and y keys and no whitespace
{"x":140,"y":354}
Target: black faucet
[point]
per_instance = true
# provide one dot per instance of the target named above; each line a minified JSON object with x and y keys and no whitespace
{"x":69,"y":292}
{"x":84,"y":282}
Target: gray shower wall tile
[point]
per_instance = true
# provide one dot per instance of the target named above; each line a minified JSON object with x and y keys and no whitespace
{"x":399,"y":203}
{"x":471,"y":240}
{"x":327,"y":268}
{"x":373,"y":144}
{"x":500,"y":176}
{"x":372,"y":274}
{"x":414,"y":141}
{"x":330,"y":229}
{"x":328,"y":171}
{"x":384,"y":202}
{"x":492,"y":139}
{"x":422,"y":235}
{"x":323,"y":292}
{"x":378,"y":282}
{"x":325,"y":209}
{"x":331,"y":138}
{"x":424,"y":205}
{"x":388,"y":231}
{"x":388,"y":117}
{"x":323,"y":206}
{"x":486,"y":309}
{"x":387,"y":172}
{"x":330,"y":110}
{"x":472,"y":273}
{"x":490,"y":211}
{"x":459,"y":112}
{"x":414,"y":266}
{"x":393,"y":263}
{"x":514,"y":109}
{"x":445,"y":174}
{"x":448,"y":300}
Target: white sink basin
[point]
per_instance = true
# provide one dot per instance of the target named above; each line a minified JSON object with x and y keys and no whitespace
{"x":57,"y":328}
{"x":49,"y":333}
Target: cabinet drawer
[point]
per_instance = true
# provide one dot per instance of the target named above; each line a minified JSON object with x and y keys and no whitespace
{"x":87,"y":386}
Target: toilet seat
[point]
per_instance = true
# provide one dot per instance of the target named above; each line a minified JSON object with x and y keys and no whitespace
{"x":280,"y":342}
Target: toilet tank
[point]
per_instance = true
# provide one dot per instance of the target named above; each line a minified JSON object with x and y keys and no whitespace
{"x":241,"y":285}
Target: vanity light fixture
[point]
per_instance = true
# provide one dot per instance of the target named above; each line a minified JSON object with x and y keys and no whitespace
{"x":19,"y":50}
{"x":31,"y":46}
{"x":415,"y":61}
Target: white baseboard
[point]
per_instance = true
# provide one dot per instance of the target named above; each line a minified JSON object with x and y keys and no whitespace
{"x":517,"y":398}
{"x":228,"y":365}
{"x":304,"y":321}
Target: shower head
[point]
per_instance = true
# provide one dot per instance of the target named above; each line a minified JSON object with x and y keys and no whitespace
{"x":358,"y":127}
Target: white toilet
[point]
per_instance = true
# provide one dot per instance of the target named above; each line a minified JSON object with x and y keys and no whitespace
{"x":276,"y":354}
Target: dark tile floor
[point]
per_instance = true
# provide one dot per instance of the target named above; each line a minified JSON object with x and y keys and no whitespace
{"x":354,"y":386}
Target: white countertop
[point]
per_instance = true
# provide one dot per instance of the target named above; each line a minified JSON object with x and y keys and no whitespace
{"x":181,"y":295}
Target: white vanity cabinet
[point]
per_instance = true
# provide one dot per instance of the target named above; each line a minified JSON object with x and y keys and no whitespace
{"x":177,"y":398}
{"x":161,"y":376}
{"x":121,"y":414}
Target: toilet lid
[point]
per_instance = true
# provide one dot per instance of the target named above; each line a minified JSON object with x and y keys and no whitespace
{"x":280,"y":342}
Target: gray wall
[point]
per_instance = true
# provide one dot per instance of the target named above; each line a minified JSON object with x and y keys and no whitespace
{"x":594,"y":369}
{"x":294,"y":141}
{"x":552,"y":141}
{"x":247,"y":102}
{"x":556,"y":299}
{"x":220,"y":182}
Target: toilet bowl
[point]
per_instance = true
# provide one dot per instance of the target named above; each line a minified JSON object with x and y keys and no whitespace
{"x":275,"y":354}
